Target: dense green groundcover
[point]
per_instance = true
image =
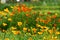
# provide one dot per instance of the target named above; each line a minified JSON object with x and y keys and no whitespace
{"x":27,"y":36}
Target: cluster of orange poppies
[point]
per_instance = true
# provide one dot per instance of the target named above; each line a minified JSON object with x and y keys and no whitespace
{"x":23,"y":8}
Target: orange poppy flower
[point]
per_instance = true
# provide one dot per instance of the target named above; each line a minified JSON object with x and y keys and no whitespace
{"x":54,"y":25}
{"x":29,"y":9}
{"x":22,"y":8}
{"x":58,"y":20}
{"x":54,"y":16}
{"x":41,"y":20}
{"x":28,"y":15}
{"x":45,"y":21}
{"x":49,"y":12}
{"x":11,"y":14}
{"x":18,"y":9}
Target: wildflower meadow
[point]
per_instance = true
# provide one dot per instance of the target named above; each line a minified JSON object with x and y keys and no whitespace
{"x":29,"y":22}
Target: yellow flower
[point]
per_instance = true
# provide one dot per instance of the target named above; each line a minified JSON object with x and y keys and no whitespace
{"x":46,"y":28}
{"x":44,"y":37}
{"x":0,"y":11}
{"x":6,"y":10}
{"x":6,"y":38}
{"x":34,"y":30}
{"x":13,"y":28}
{"x":16,"y":32}
{"x":45,"y":13}
{"x":4,"y":30}
{"x":3,"y":13}
{"x":24,"y":29}
{"x":40,"y":33}
{"x":56,"y":14}
{"x":30,"y":38}
{"x":9,"y":19}
{"x":19,"y":23}
{"x":55,"y":37}
{"x":50,"y":31}
{"x":4,"y":24}
{"x":37,"y":25}
{"x":57,"y":32}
